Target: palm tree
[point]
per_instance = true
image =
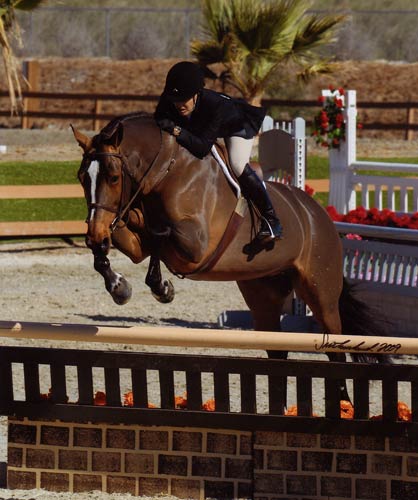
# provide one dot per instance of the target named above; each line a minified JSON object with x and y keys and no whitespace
{"x":8,"y":29}
{"x":256,"y":39}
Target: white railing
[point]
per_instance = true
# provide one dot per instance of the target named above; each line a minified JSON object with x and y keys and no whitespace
{"x":380,"y":191}
{"x":390,"y":265}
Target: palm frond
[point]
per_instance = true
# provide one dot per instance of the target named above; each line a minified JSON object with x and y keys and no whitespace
{"x":306,"y":74}
{"x":315,"y":31}
{"x":209,"y":52}
{"x":10,"y":69}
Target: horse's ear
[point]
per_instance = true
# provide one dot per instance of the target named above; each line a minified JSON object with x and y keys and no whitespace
{"x":83,"y":141}
{"x":116,"y":138}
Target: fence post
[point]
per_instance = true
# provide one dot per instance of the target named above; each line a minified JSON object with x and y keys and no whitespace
{"x":97,"y":111}
{"x":410,"y":116}
{"x":299,"y":136}
{"x":341,"y":193}
{"x":31,"y":72}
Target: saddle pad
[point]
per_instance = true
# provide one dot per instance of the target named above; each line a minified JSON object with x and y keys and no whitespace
{"x":225,"y":170}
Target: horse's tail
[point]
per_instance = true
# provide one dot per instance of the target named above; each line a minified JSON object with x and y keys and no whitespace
{"x":357,"y":318}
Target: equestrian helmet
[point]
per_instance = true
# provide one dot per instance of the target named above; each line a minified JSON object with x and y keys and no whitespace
{"x":183,"y":81}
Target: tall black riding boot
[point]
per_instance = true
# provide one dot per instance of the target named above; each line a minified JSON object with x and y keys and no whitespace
{"x":253,"y":188}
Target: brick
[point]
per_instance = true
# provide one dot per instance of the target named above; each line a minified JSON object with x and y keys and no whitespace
{"x":55,"y":481}
{"x":352,"y":463}
{"x":185,"y":488}
{"x":245,"y":491}
{"x":21,"y":480}
{"x":299,"y":484}
{"x":206,"y":466}
{"x":72,"y":459}
{"x":258,"y":459}
{"x":187,"y":441}
{"x":150,"y":486}
{"x":268,"y":483}
{"x":269,"y":438}
{"x":120,"y":484}
{"x":120,"y":438}
{"x":370,"y":443}
{"x":370,"y":489}
{"x":386,"y":464}
{"x":174,"y":465}
{"x":88,"y":437}
{"x":301,"y":440}
{"x":40,"y":459}
{"x":317,"y":461}
{"x":282,"y":459}
{"x":139,"y":462}
{"x":398,"y":443}
{"x":221,"y":443}
{"x":404,"y":490}
{"x":219,"y":489}
{"x":25,"y":434}
{"x":105,"y":461}
{"x":412,"y":466}
{"x":55,"y":435}
{"x":238,"y":468}
{"x":153,"y":440}
{"x":245,"y":445}
{"x":336,"y":487}
{"x":336,"y":442}
{"x":14,"y":456}
{"x":87,"y":482}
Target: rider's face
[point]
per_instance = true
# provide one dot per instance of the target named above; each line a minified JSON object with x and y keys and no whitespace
{"x":185,"y":108}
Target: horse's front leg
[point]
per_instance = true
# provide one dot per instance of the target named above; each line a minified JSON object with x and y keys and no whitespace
{"x":116,"y":284}
{"x":161,"y":289}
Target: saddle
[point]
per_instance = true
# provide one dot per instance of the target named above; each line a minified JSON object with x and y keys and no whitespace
{"x":220,"y":154}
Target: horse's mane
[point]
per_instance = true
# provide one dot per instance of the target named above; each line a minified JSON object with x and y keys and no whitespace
{"x":108,"y":131}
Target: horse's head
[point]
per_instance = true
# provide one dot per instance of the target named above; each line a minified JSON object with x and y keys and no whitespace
{"x":102,"y":176}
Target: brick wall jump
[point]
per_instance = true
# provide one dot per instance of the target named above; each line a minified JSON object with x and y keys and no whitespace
{"x":199,"y":463}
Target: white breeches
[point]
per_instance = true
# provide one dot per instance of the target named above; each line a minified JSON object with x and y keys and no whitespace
{"x":239,"y":151}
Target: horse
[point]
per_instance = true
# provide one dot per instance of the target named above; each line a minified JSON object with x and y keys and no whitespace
{"x":150,"y":197}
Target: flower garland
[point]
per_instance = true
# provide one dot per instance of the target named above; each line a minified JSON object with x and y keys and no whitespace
{"x":329,"y":125}
{"x":375,"y":217}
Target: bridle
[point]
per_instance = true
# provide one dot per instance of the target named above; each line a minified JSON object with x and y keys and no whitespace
{"x":126,"y":200}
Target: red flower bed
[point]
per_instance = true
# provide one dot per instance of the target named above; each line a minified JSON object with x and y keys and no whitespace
{"x":375,"y":217}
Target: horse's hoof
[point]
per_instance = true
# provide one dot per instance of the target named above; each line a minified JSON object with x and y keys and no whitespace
{"x":121,"y":291}
{"x":166,"y":293}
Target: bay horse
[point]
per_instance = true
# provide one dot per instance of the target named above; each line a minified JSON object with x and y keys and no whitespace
{"x":150,"y":197}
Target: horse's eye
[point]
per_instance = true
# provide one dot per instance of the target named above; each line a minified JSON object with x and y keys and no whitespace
{"x":114,"y":179}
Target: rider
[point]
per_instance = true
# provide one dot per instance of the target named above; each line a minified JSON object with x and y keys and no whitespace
{"x":197,"y":117}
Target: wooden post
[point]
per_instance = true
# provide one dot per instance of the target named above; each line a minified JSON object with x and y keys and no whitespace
{"x":31,"y":71}
{"x":410,"y":115}
{"x":97,"y":110}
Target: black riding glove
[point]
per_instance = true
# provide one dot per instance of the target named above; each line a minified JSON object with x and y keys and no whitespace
{"x":167,"y":125}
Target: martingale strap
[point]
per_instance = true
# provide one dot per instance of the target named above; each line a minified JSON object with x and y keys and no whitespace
{"x":230,"y":232}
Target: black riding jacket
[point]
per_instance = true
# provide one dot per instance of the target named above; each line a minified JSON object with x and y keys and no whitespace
{"x":215,"y":115}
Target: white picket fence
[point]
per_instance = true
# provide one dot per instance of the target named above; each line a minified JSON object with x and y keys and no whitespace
{"x":380,"y":191}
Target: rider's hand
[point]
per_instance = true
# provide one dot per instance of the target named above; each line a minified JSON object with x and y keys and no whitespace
{"x":167,"y":125}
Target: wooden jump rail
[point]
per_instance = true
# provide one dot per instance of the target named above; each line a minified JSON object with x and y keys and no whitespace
{"x":181,"y":337}
{"x":193,"y":367}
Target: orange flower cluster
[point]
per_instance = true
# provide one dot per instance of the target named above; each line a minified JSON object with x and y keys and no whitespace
{"x":347,"y":411}
{"x":180,"y":402}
